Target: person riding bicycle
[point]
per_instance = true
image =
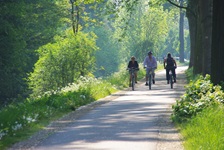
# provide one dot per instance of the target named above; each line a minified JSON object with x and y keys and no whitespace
{"x":133,"y":64}
{"x":150,"y":63}
{"x":170,"y":64}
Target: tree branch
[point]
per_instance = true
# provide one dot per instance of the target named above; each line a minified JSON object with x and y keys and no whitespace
{"x":187,"y":8}
{"x":177,"y":5}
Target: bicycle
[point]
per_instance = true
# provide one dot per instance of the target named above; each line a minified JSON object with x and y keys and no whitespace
{"x":150,"y":78}
{"x":132,"y":71}
{"x":171,"y":78}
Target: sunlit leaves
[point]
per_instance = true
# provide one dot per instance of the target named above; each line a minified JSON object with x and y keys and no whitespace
{"x":108,"y":57}
{"x":63,"y":61}
{"x":199,"y":95}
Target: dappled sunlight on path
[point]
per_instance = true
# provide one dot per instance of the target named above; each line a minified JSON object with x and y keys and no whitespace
{"x":127,"y":120}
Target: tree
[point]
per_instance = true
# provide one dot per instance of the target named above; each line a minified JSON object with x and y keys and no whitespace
{"x":147,"y":30}
{"x":217,"y":55}
{"x":108,"y":56}
{"x":181,"y":32}
{"x":13,"y":59}
{"x":25,"y":26}
{"x":63,"y":61}
{"x":202,"y":51}
{"x":181,"y":27}
{"x":199,"y":15}
{"x":192,"y":17}
{"x":206,"y":26}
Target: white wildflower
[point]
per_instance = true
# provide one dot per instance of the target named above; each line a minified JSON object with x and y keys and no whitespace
{"x":17,"y":127}
{"x":2,"y":134}
{"x":36,"y":115}
{"x":83,"y":96}
{"x":29,"y":119}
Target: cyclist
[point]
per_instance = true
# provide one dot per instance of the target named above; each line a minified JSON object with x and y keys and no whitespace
{"x":150,"y":63}
{"x":133,"y":64}
{"x":170,"y":64}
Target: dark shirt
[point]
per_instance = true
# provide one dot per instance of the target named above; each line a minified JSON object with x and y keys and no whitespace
{"x":134,"y":65}
{"x":170,"y":62}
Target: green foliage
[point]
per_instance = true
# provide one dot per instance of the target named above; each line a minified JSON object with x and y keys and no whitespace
{"x":222,"y":84}
{"x":119,"y":78}
{"x":108,"y":57}
{"x":13,"y":59}
{"x":147,"y":29}
{"x":63,"y":61}
{"x":154,"y":29}
{"x":189,"y":74}
{"x":206,"y":130}
{"x":25,"y":26}
{"x":199,"y":95}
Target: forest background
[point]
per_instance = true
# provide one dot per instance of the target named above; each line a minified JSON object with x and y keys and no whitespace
{"x":47,"y":45}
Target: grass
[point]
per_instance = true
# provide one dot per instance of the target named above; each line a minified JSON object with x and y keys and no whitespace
{"x":206,"y":130}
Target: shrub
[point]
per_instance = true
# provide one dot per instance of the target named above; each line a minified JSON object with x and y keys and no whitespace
{"x":199,"y":94}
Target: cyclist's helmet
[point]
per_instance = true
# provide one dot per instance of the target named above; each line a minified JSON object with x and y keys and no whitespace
{"x":149,"y":53}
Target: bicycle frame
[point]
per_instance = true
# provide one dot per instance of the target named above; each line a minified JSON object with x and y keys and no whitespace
{"x":150,"y":77}
{"x":171,"y":79}
{"x":132,"y":78}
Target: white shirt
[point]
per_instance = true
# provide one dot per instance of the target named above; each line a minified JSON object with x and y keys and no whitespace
{"x":151,"y":63}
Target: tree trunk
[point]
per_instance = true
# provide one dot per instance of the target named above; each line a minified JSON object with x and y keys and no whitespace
{"x":217,"y":55}
{"x":202,"y":51}
{"x":192,"y":29}
{"x":206,"y":34}
{"x":198,"y":53}
{"x":75,"y":21}
{"x":181,"y":33}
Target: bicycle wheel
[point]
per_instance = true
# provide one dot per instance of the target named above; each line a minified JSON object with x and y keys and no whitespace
{"x":150,"y":81}
{"x":133,"y":83}
{"x":171,"y":81}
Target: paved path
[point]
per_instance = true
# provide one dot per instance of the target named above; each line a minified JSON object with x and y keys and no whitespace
{"x":133,"y":120}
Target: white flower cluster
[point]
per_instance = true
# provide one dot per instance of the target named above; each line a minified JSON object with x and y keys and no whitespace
{"x":2,"y":134}
{"x":83,"y":96}
{"x":52,"y":92}
{"x":30,"y":119}
{"x":70,"y":87}
{"x":17,"y":125}
{"x":81,"y":82}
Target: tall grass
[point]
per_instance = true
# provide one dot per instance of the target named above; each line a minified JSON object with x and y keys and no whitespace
{"x":206,"y":130}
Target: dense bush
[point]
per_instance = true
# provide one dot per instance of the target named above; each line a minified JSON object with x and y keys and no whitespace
{"x":61,"y":62}
{"x":199,"y":94}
